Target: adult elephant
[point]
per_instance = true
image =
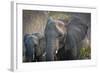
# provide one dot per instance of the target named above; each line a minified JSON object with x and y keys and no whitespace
{"x":34,"y":47}
{"x":54,"y":32}
{"x":70,"y":34}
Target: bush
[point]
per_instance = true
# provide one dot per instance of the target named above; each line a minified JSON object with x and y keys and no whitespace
{"x":85,"y":53}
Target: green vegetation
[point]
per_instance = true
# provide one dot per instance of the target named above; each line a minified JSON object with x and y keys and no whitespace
{"x":59,"y":15}
{"x":85,"y":53}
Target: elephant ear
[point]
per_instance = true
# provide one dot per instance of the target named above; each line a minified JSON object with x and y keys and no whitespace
{"x":60,"y":27}
{"x":39,"y":35}
{"x":35,"y":39}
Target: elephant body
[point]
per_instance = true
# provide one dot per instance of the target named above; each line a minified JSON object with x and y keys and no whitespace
{"x":68,"y":36}
{"x":76,"y":38}
{"x":34,"y":45}
{"x":76,"y":31}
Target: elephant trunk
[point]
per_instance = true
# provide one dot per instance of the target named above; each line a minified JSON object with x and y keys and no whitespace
{"x":50,"y":49}
{"x":50,"y":36}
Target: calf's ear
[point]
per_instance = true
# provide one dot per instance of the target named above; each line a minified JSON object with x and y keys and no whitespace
{"x":35,"y":39}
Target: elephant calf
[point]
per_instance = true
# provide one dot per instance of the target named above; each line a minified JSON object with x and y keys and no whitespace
{"x":34,"y":47}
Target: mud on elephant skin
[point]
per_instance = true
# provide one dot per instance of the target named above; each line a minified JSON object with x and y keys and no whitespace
{"x":34,"y":47}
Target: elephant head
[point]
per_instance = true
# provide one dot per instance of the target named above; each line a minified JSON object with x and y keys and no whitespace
{"x":54,"y":31}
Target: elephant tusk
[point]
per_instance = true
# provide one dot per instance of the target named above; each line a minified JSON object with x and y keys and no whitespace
{"x":56,"y":51}
{"x":44,"y":54}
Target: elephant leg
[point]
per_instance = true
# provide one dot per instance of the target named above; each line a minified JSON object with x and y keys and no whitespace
{"x":71,"y":47}
{"x":74,"y":54}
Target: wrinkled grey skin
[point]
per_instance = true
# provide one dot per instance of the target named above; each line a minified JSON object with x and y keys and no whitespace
{"x":75,"y":34}
{"x":52,"y":36}
{"x":76,"y":31}
{"x":34,"y":45}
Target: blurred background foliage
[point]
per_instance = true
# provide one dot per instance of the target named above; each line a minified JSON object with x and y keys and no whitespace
{"x":59,"y":15}
{"x":85,"y":53}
